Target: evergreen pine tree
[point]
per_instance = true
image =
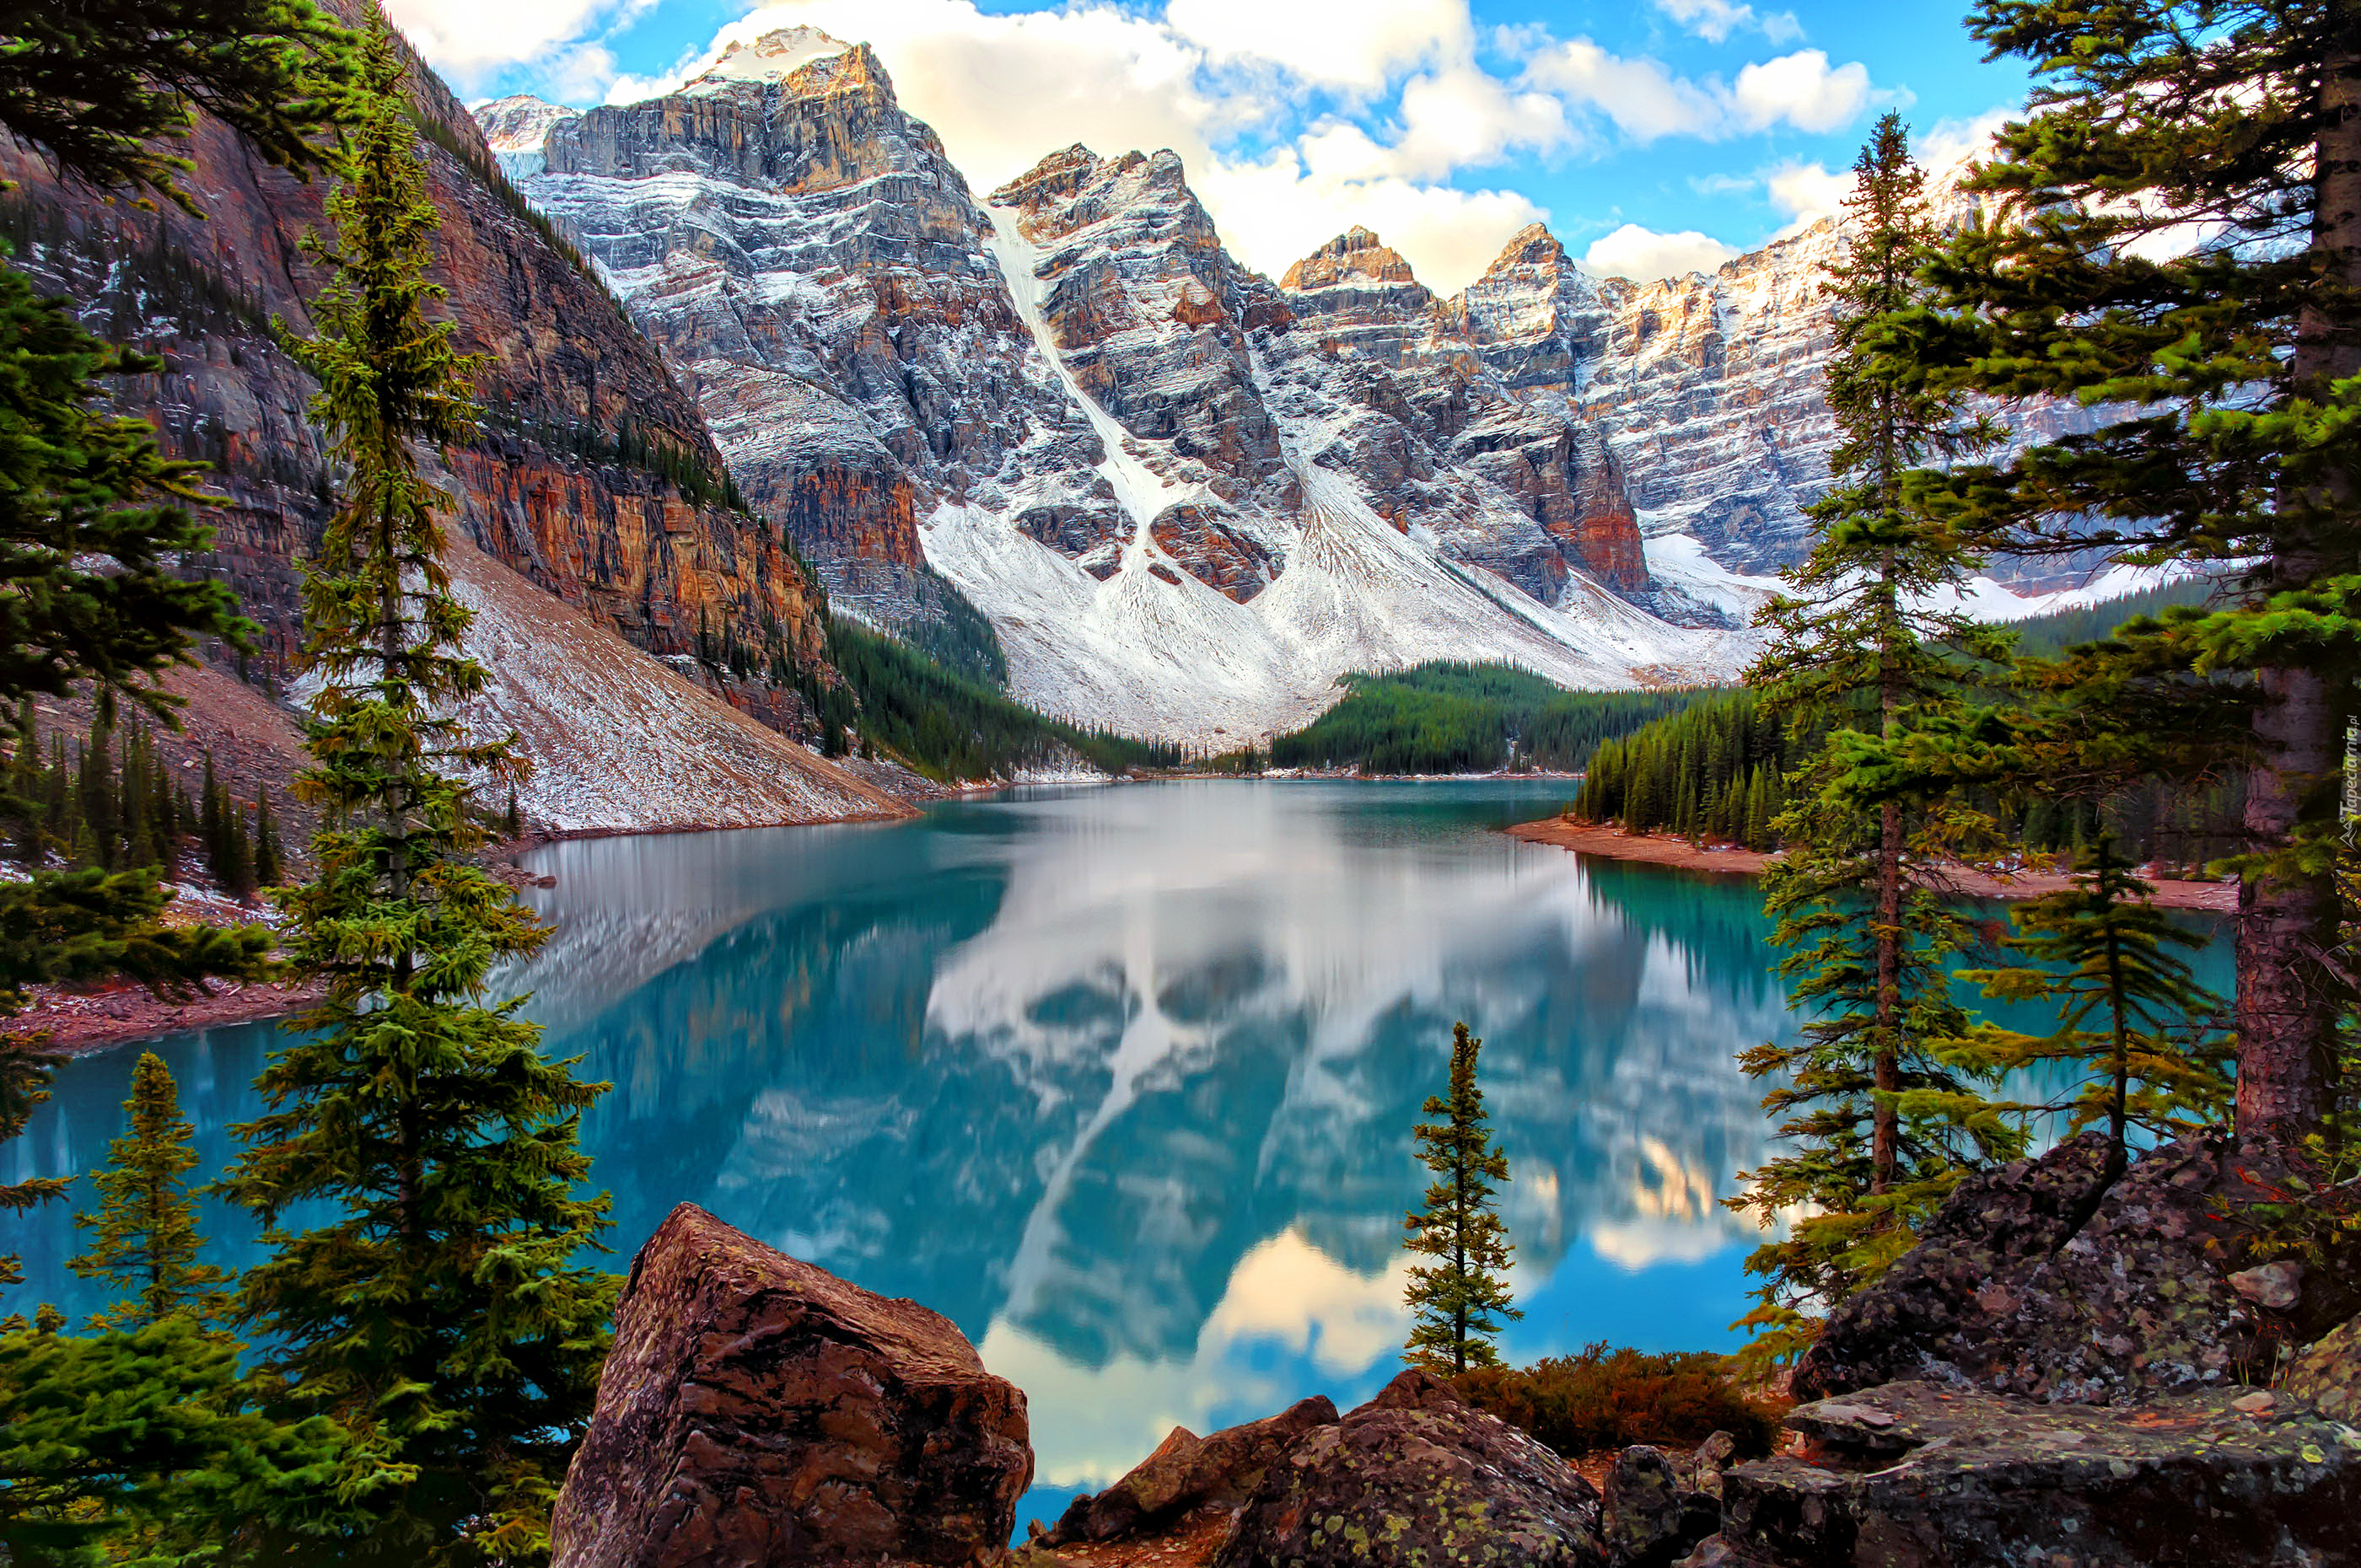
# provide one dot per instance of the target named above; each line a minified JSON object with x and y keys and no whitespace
{"x":443,"y":1307}
{"x":2131,"y":1014}
{"x":211,"y":817}
{"x":172,"y":817}
{"x":148,"y":1445}
{"x":144,"y":1237}
{"x":2178,"y":235}
{"x":27,"y":789}
{"x":512,"y":820}
{"x":235,"y":871}
{"x":1878,"y":1123}
{"x":1459,"y":1302}
{"x":270,"y":869}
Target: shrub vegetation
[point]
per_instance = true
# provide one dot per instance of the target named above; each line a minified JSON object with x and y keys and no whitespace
{"x":1611,"y":1399}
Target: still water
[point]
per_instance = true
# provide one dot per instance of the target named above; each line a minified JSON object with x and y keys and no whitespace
{"x":1121,"y":1080}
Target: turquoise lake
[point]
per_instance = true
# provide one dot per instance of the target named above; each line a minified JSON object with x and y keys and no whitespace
{"x":1122,"y":1080}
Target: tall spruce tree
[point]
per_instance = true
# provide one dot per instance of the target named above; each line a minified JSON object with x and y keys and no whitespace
{"x":444,"y":1310}
{"x":144,"y":1237}
{"x":1879,"y":1121}
{"x":2131,"y":1014}
{"x":2178,"y":242}
{"x":1458,"y":1303}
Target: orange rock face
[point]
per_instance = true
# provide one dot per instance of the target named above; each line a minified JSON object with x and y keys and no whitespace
{"x":543,"y":491}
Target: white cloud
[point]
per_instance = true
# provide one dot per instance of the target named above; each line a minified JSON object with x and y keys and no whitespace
{"x":1274,"y":210}
{"x":1807,"y":192}
{"x":1643,"y":256}
{"x":1642,"y":97}
{"x":1950,"y":142}
{"x":467,"y":40}
{"x":1461,"y":118}
{"x":1358,"y":44}
{"x":1801,"y":89}
{"x":1646,"y":101}
{"x":1715,"y":20}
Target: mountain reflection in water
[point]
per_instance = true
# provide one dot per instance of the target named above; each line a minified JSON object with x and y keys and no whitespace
{"x":1121,"y":1080}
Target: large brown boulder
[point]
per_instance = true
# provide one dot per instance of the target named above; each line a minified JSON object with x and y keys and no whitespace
{"x":1187,"y":1472}
{"x":758,"y":1410}
{"x":2046,"y":1278}
{"x":1416,"y":1476}
{"x":1916,"y":1476}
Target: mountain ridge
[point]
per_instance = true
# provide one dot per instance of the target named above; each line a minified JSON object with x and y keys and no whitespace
{"x":1070,"y":401}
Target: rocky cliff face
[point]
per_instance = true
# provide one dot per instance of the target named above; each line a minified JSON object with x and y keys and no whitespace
{"x":548,"y":491}
{"x":1456,"y":438}
{"x":818,"y":273}
{"x":594,"y":479}
{"x":1187,"y":498}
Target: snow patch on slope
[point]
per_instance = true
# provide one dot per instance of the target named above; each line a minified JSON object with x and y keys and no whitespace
{"x":619,"y":742}
{"x":1167,"y":655}
{"x":1988,"y":600}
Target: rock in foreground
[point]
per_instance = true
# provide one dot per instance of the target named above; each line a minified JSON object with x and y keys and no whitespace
{"x":756,"y":1411}
{"x":1912,"y":1473}
{"x":1416,"y":1476}
{"x":1187,"y":1472}
{"x":2045,"y":1279}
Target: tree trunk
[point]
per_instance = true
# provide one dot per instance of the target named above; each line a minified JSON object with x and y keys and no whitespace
{"x":1886,"y":1121}
{"x":2119,"y":1155}
{"x":2287,"y":923}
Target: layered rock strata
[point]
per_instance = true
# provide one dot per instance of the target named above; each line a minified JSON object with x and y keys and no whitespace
{"x":1076,"y":406}
{"x":819,"y":276}
{"x":757,"y":1411}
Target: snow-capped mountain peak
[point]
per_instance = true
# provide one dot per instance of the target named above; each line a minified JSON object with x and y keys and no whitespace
{"x":516,"y":127}
{"x":773,"y":57}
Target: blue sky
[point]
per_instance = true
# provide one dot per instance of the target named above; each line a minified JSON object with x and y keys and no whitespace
{"x":1652,"y":135}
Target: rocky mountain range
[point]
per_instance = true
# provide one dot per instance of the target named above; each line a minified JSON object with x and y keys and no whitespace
{"x":1187,"y":497}
{"x":757,"y":339}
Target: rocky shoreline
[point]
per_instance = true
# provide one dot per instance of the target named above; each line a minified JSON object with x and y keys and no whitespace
{"x":2076,"y":1366}
{"x":1663,"y":849}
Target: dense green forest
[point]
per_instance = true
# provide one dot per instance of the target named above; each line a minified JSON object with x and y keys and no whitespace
{"x":1717,"y":770}
{"x":109,"y":802}
{"x":1450,"y":717}
{"x":904,"y":704}
{"x":2047,"y":636}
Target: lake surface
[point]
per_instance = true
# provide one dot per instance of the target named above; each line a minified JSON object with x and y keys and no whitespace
{"x":1121,"y":1080}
